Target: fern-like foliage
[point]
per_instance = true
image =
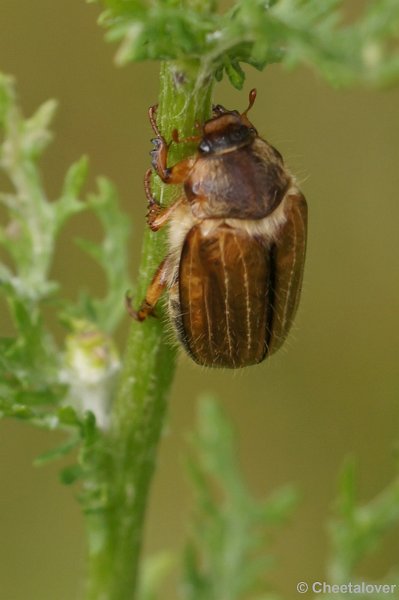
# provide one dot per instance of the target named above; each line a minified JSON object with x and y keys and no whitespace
{"x":227,"y":553}
{"x":324,"y":35}
{"x":358,"y":530}
{"x":226,"y":556}
{"x":53,"y":386}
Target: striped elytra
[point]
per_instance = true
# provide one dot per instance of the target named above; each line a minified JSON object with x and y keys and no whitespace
{"x":237,"y":240}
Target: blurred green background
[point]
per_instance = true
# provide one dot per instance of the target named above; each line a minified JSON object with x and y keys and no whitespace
{"x":332,"y":391}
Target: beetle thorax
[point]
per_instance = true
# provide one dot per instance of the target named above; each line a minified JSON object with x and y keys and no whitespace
{"x":247,"y":183}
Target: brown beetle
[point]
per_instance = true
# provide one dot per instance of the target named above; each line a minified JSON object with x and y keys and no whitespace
{"x":237,"y":241}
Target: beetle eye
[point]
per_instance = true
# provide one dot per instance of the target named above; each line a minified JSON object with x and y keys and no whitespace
{"x":204,"y":146}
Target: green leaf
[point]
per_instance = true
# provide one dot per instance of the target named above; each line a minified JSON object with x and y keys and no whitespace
{"x":154,"y":571}
{"x":75,"y":178}
{"x":6,"y":97}
{"x":71,"y":474}
{"x":235,"y":73}
{"x":357,"y":530}
{"x":259,"y":33}
{"x":346,"y":501}
{"x":36,"y":379}
{"x":58,"y":452}
{"x":226,"y":556}
{"x":68,"y":416}
{"x":37,"y":135}
{"x":111,"y":255}
{"x":69,"y":203}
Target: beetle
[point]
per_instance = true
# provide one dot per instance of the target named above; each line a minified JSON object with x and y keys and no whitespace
{"x":237,"y":240}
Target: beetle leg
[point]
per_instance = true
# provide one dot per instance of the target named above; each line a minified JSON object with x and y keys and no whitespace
{"x":154,"y":291}
{"x":156,"y":215}
{"x":159,"y":156}
{"x":160,"y":153}
{"x":176,"y":174}
{"x":154,"y":208}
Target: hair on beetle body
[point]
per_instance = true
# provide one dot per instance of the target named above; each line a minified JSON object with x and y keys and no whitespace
{"x":237,"y":240}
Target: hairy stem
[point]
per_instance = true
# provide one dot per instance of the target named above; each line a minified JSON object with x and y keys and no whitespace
{"x":116,"y":532}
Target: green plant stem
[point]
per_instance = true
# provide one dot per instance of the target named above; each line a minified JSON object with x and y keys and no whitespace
{"x":116,"y":531}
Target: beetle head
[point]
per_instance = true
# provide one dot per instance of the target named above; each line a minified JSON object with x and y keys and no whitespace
{"x":228,"y":130}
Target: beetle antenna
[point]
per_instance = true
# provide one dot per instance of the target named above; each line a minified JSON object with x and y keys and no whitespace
{"x":251,"y":98}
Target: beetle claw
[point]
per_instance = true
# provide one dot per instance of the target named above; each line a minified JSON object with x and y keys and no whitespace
{"x":154,"y":210}
{"x":154,"y":160}
{"x":145,"y":310}
{"x":160,"y":147}
{"x":129,"y":307}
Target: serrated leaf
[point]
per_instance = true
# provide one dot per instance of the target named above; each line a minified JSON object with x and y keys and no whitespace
{"x":57,"y":452}
{"x":91,"y":248}
{"x":154,"y":572}
{"x":71,"y":474}
{"x":89,"y":428}
{"x":69,"y":203}
{"x":111,"y":255}
{"x":235,"y":73}
{"x":219,"y":73}
{"x":75,"y":177}
{"x":133,"y":42}
{"x":259,"y":33}
{"x":36,"y":133}
{"x":68,"y":416}
{"x":347,"y":490}
{"x":279,"y":506}
{"x":42,"y":118}
{"x":223,"y":559}
{"x":34,"y":372}
{"x":357,"y":530}
{"x":6,"y":97}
